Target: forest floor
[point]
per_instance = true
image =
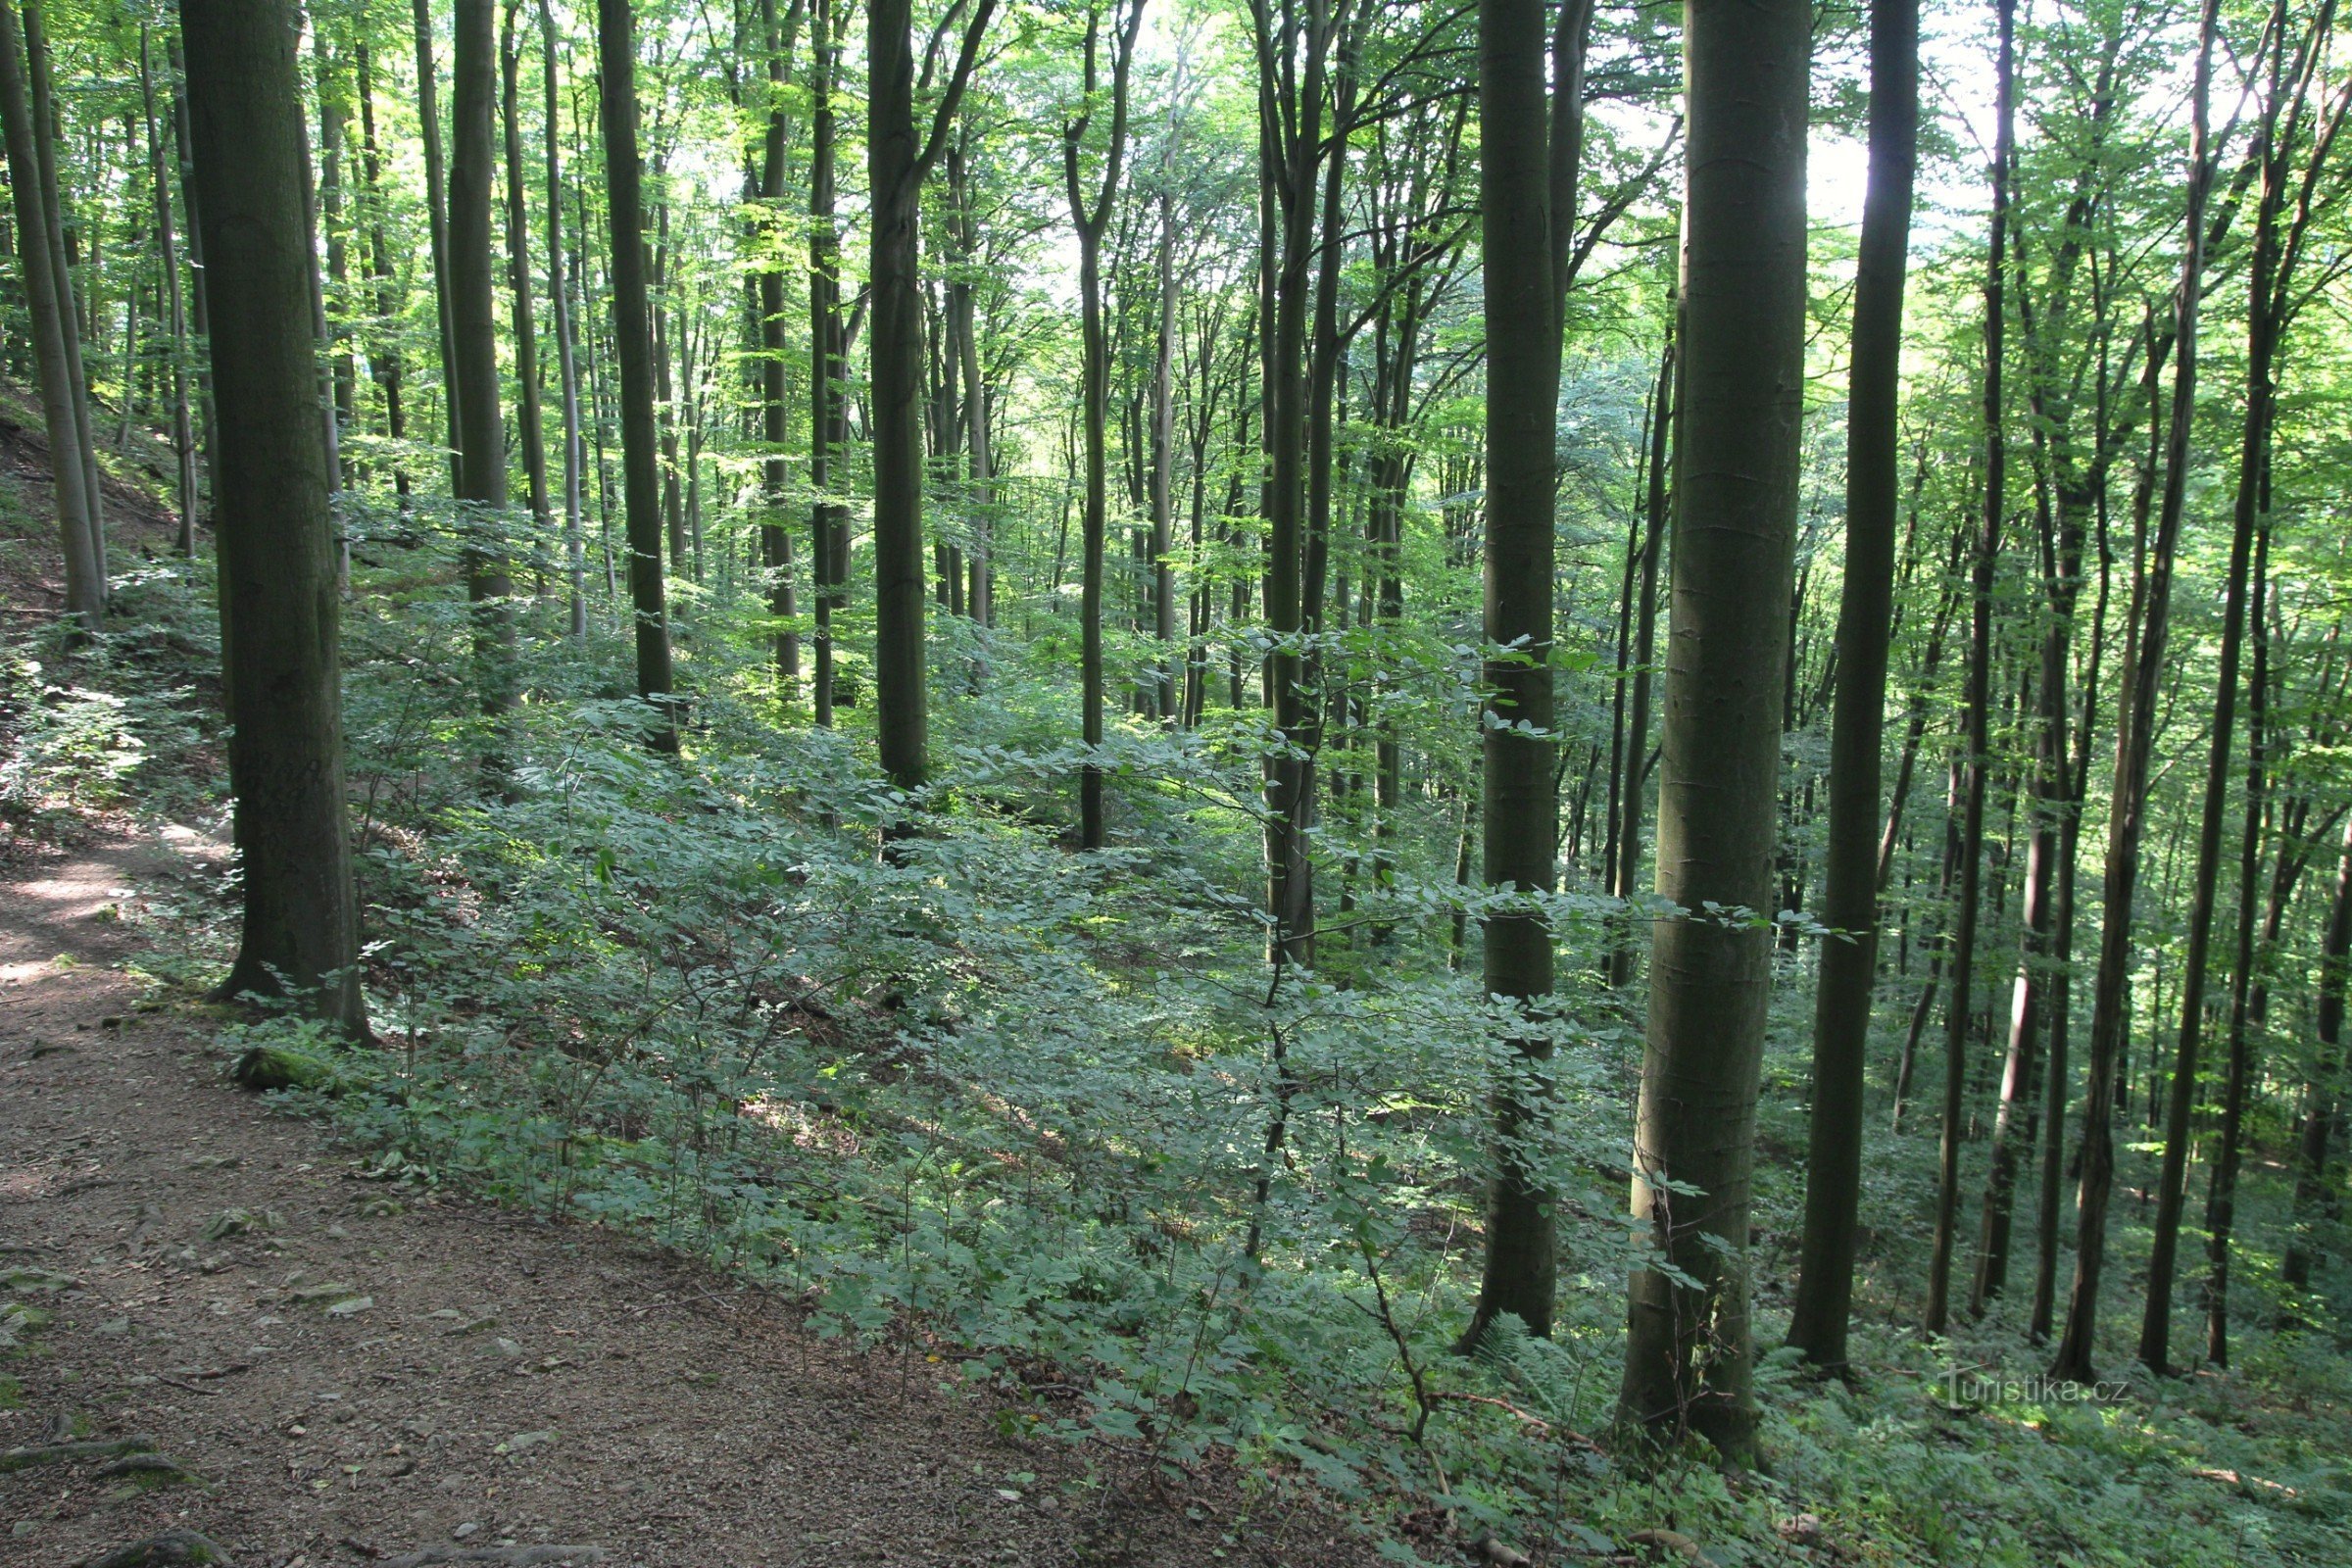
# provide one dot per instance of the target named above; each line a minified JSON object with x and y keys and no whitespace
{"x":340,"y":1372}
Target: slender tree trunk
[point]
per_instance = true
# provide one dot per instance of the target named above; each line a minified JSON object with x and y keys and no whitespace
{"x":383,"y":354}
{"x":1977,"y":744}
{"x":898,"y":159}
{"x":45,"y":128}
{"x":2135,"y":733}
{"x":1091,"y":217}
{"x":481,"y":445}
{"x":774,"y":430}
{"x":568,"y":372}
{"x":1520,"y":804}
{"x":278,"y":600}
{"x":1163,"y":465}
{"x":633,"y":347}
{"x":436,"y":206}
{"x":52,"y":322}
{"x":828,"y":542}
{"x":980,"y":601}
{"x":1735,"y":493}
{"x":200,"y":318}
{"x":895,"y":393}
{"x":343,"y":376}
{"x":530,"y":433}
{"x":166,"y":239}
{"x":1634,"y":791}
{"x":1865,"y":619}
{"x":2324,"y":1089}
{"x":2221,"y":1203}
{"x":2156,"y":1320}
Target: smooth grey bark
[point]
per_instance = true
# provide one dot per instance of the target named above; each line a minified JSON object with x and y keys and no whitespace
{"x":1687,"y":1347}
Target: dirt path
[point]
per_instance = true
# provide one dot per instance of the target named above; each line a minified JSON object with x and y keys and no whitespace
{"x":351,"y":1376}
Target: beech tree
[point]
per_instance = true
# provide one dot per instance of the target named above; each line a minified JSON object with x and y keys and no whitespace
{"x":1688,"y":1345}
{"x":279,"y":604}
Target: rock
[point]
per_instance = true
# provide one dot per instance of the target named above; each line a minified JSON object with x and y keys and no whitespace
{"x":351,"y":1305}
{"x":326,"y":1296}
{"x":1800,"y":1530}
{"x":468,"y":1528}
{"x":264,"y":1068}
{"x":1500,"y":1554}
{"x":36,"y":1279}
{"x":237,"y":1221}
{"x":166,"y":1550}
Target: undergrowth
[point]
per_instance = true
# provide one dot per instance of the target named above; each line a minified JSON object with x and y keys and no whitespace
{"x":1048,"y":1124}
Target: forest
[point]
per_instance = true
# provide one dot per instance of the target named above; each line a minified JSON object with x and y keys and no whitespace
{"x":1564,"y":781}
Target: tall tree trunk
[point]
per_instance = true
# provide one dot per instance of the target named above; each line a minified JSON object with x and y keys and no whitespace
{"x":1291,"y":140}
{"x":200,"y":316}
{"x":981,"y":601}
{"x":1976,"y":742}
{"x":2156,"y":1320}
{"x":383,"y":354}
{"x":1163,"y":465}
{"x":1519,"y":801}
{"x":530,"y":433}
{"x":1688,"y":1358}
{"x":2221,"y":1203}
{"x":166,"y":243}
{"x":828,"y":540}
{"x":45,"y":128}
{"x":343,"y":376}
{"x":898,"y":159}
{"x":633,"y":347}
{"x":2323,"y":1091}
{"x":2135,"y":703}
{"x":1633,"y":791}
{"x":278,"y":601}
{"x":1091,"y":216}
{"x":567,"y":370}
{"x":51,"y":314}
{"x":481,"y":435}
{"x":1865,"y":619}
{"x":437,"y":207}
{"x":774,"y":430}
